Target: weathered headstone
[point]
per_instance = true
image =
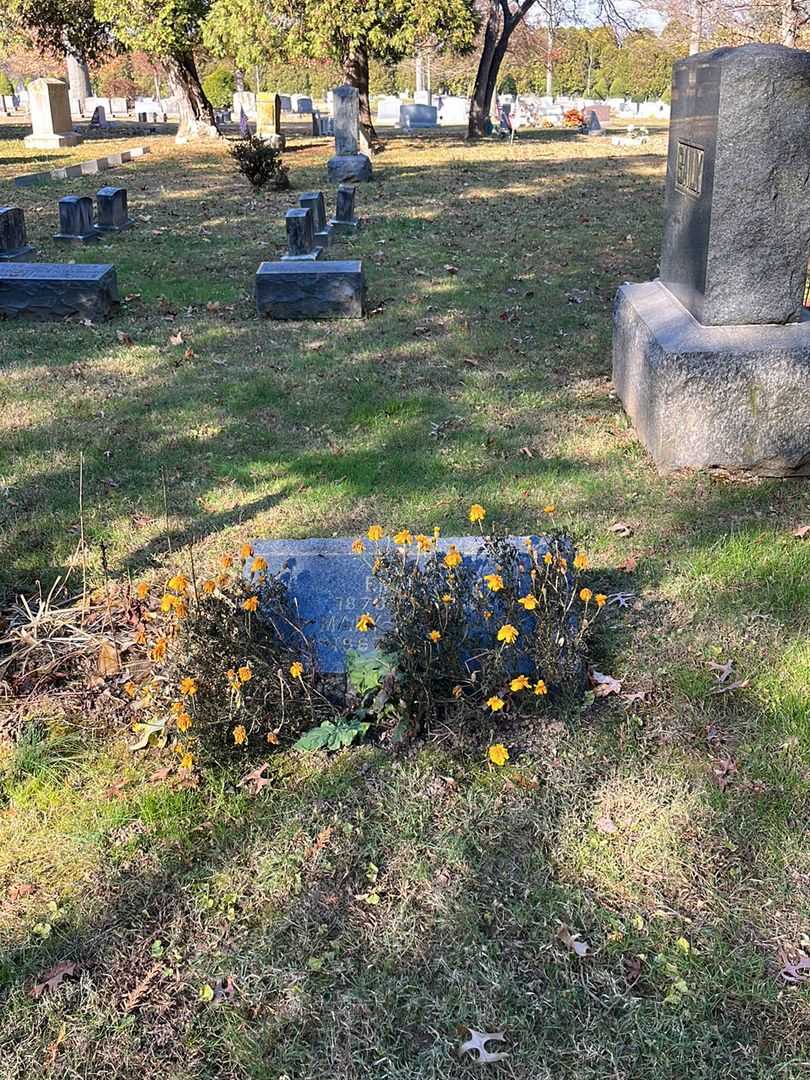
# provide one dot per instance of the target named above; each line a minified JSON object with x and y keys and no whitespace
{"x":344,"y":220}
{"x":286,"y":103}
{"x":388,"y":109}
{"x":268,"y":119}
{"x":311,"y":290}
{"x":300,"y":236}
{"x":76,"y":219}
{"x":99,"y":118}
{"x":111,"y":205}
{"x":592,"y":125}
{"x":703,"y":359}
{"x":50,"y":115}
{"x":347,"y":163}
{"x":453,"y":110}
{"x":301,"y":103}
{"x":313,"y":201}
{"x":418,"y":116}
{"x":55,"y":291}
{"x":13,"y":241}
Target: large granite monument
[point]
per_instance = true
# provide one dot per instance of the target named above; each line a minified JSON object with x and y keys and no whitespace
{"x":54,"y":291}
{"x":712,"y":361}
{"x":268,"y":120}
{"x":50,"y":115}
{"x":347,"y":163}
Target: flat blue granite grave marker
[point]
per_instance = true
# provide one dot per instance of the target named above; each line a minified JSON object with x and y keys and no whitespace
{"x":330,"y":587}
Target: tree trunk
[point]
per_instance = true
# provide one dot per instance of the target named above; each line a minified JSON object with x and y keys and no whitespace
{"x":695,"y":26}
{"x":550,"y":57}
{"x":790,"y":22}
{"x":78,"y":79}
{"x":196,"y":113}
{"x":496,"y":42}
{"x":239,"y":80}
{"x":355,"y":72}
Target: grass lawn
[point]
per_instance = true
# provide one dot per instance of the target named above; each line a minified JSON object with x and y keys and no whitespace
{"x":667,"y":827}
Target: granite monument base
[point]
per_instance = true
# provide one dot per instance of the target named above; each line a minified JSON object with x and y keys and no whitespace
{"x":348,"y":168}
{"x":735,"y":397}
{"x":17,"y":254}
{"x":55,"y":291}
{"x":52,"y":142}
{"x":344,"y":228}
{"x":311,"y":290}
{"x":310,"y":256}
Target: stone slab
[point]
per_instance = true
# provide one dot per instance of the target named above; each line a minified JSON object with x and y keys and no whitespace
{"x":329,"y":587}
{"x":67,"y":172}
{"x":418,"y":116}
{"x":736,"y":397}
{"x":48,"y":291}
{"x":736,"y":230}
{"x":311,"y":290}
{"x":349,"y":168}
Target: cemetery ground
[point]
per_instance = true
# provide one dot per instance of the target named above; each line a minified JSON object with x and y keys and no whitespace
{"x":358,"y":914}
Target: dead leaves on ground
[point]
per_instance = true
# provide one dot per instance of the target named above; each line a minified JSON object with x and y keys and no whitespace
{"x":476,"y":1044}
{"x":603,"y":685}
{"x":52,"y":979}
{"x":573,"y":941}
{"x":725,"y":683}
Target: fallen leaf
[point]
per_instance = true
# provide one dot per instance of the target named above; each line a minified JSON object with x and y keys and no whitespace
{"x":470,"y":361}
{"x":621,"y":528}
{"x":176,"y":339}
{"x":635,"y":695}
{"x":136,"y":996}
{"x":125,"y":339}
{"x":213,"y":305}
{"x":477,"y":1041}
{"x":605,"y":825}
{"x":603,"y":685}
{"x":109,"y":661}
{"x":17,"y":892}
{"x":723,"y":771}
{"x":161,"y":774}
{"x":255,"y":781}
{"x":223,"y":991}
{"x":722,"y":671}
{"x":52,"y":979}
{"x":116,"y":789}
{"x":321,"y":840}
{"x":802,"y":532}
{"x":629,"y":565}
{"x":189,"y":354}
{"x":798,"y":972}
{"x":726,"y":688}
{"x":572,"y":941}
{"x":450,"y":269}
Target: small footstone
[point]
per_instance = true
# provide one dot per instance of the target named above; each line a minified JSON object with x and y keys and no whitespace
{"x":300,"y":236}
{"x":54,"y":291}
{"x":13,"y":242}
{"x":311,"y":290}
{"x":344,"y":220}
{"x":313,"y":201}
{"x":112,"y":209}
{"x":76,"y":219}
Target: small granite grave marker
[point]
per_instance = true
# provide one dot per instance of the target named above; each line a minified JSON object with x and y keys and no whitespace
{"x":300,"y":236}
{"x":13,"y":242}
{"x":111,"y":203}
{"x":313,"y":201}
{"x":702,"y":359}
{"x":311,"y":290}
{"x":76,"y":219}
{"x":55,"y":291}
{"x":344,"y":220}
{"x":347,"y":163}
{"x":99,"y":118}
{"x":592,"y":125}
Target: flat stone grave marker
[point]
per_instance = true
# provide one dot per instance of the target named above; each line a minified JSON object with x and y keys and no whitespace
{"x":329,"y":588}
{"x":111,"y":203}
{"x":13,"y":241}
{"x":311,"y":290}
{"x":418,"y":116}
{"x":76,"y":219}
{"x":49,"y":291}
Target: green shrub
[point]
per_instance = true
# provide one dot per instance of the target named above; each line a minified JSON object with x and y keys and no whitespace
{"x":6,"y":87}
{"x":219,"y":86}
{"x":260,"y":163}
{"x":508,"y":85}
{"x":617,"y":88}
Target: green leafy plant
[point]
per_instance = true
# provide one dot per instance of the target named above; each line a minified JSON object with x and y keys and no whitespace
{"x":219,"y":86}
{"x":332,"y":735}
{"x":260,"y":163}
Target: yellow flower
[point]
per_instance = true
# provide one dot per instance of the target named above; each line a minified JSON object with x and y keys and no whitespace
{"x":580,"y":561}
{"x":140,"y":636}
{"x":547,"y":558}
{"x":549,"y":509}
{"x":176,"y":708}
{"x":498,"y":754}
{"x":130,"y":689}
{"x":434,"y":635}
{"x":423,"y":542}
{"x":562,"y":564}
{"x":188,"y":686}
{"x":159,"y":650}
{"x":519,"y":683}
{"x":585,"y":595}
{"x":244,"y":673}
{"x":364,"y":623}
{"x":477,"y":512}
{"x":142,"y":590}
{"x":223,"y":580}
{"x":508,"y":633}
{"x":600,"y":599}
{"x":496,"y":703}
{"x":375,"y":533}
{"x":528,"y":602}
{"x":437,"y":532}
{"x":187,"y":762}
{"x":447,"y":598}
{"x":245,"y":551}
{"x":233,"y":679}
{"x":540,"y":687}
{"x":453,"y":557}
{"x":404,"y":536}
{"x":258,"y":564}
{"x":251,"y":603}
{"x":494,"y":581}
{"x":358,"y":547}
{"x":296,"y":670}
{"x":239,"y":734}
{"x":183,"y":721}
{"x":167,"y":602}
{"x":180,"y":608}
{"x":208,"y":586}
{"x":226,"y":561}
{"x":178,"y":583}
